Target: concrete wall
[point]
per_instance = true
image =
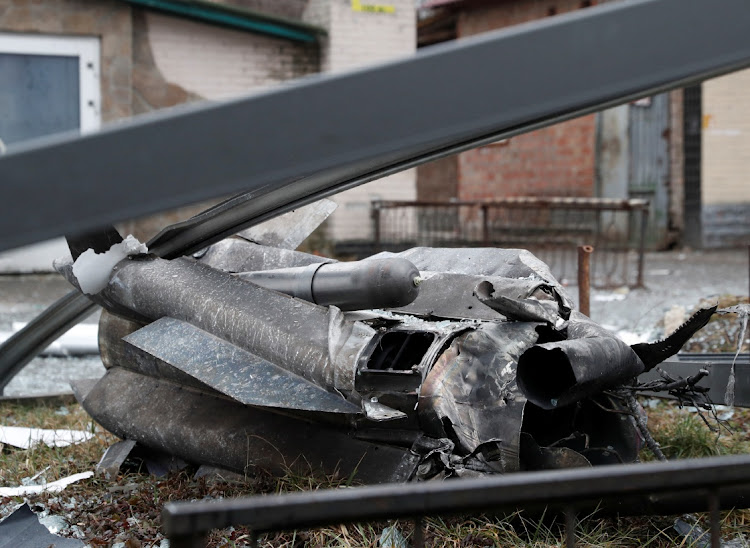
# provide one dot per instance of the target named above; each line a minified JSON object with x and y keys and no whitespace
{"x":725,"y":187}
{"x":357,"y":39}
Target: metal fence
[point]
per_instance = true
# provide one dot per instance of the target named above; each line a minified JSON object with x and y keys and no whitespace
{"x":688,"y":485}
{"x":551,"y":227}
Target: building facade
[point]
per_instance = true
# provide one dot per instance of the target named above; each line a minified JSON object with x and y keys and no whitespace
{"x":95,"y":62}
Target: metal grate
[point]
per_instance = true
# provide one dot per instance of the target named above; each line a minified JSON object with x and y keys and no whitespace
{"x":552,"y":228}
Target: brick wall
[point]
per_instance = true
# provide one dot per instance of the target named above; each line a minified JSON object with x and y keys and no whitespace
{"x":438,"y":180}
{"x":557,"y":160}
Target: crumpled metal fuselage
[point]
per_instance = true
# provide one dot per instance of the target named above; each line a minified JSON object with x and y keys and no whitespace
{"x":488,"y":369}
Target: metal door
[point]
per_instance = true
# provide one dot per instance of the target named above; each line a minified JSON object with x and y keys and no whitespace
{"x":649,"y":162}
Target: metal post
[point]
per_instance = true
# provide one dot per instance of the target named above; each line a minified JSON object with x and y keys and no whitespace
{"x":713,"y":510}
{"x":485,"y":226}
{"x":418,"y":538}
{"x":570,"y":528}
{"x":584,"y":278}
{"x":376,"y":220}
{"x":642,"y":247}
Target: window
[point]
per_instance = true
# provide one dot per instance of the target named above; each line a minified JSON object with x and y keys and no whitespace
{"x":48,"y":84}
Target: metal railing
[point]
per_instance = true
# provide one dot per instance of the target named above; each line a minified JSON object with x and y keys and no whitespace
{"x":700,"y":484}
{"x":550,"y":227}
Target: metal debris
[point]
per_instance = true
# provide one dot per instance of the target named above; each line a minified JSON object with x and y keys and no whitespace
{"x":51,"y":487}
{"x":114,"y":457}
{"x":22,"y":529}
{"x":24,"y":437}
{"x":482,"y":367}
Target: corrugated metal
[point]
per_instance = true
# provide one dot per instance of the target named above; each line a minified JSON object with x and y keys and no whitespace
{"x":649,"y":161}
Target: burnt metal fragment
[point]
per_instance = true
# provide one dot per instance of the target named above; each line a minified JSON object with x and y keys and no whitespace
{"x":656,"y":352}
{"x":484,"y":368}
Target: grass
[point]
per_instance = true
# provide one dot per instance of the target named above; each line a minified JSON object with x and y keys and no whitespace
{"x":127,"y":509}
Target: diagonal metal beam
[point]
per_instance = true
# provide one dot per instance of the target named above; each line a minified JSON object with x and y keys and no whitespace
{"x":329,"y":133}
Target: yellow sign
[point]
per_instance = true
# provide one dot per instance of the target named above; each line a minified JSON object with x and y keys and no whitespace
{"x":357,"y":5}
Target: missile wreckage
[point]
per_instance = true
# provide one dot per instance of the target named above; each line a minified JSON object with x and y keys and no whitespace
{"x":428,"y":363}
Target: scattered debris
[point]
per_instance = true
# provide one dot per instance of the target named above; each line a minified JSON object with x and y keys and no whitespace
{"x":694,"y":535}
{"x":52,"y":487}
{"x":24,"y":438}
{"x":391,"y":537}
{"x":23,"y":529}
{"x":114,"y":457}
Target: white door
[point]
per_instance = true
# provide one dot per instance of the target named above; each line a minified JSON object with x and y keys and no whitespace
{"x":48,"y":85}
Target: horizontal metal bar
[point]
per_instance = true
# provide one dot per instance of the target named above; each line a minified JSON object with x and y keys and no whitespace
{"x":527,"y":202}
{"x":562,"y":488}
{"x":716,"y":382}
{"x":714,"y":357}
{"x":289,"y":146}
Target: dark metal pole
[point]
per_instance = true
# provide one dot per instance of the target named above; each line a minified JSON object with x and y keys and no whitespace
{"x":485,"y":226}
{"x":584,"y":278}
{"x":570,"y":527}
{"x":376,"y":220}
{"x":713,"y":510}
{"x":553,"y":488}
{"x":418,"y":538}
{"x":642,"y":246}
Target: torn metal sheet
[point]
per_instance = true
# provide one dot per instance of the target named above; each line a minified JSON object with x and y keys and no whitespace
{"x":114,"y":457}
{"x":22,"y":529}
{"x":289,"y":230}
{"x":238,"y":255}
{"x":51,"y":487}
{"x":24,"y":438}
{"x":205,"y":429}
{"x":230,"y":370}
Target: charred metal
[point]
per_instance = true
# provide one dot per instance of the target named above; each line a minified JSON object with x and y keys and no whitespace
{"x":430,"y":363}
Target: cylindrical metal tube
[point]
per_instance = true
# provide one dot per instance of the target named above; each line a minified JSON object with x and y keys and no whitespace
{"x":316,"y":343}
{"x":359,"y":285}
{"x":584,"y":278}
